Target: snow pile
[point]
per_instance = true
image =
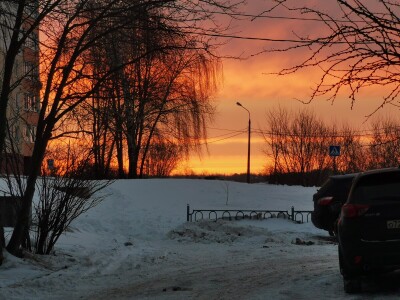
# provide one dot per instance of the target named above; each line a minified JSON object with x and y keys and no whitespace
{"x":220,"y":231}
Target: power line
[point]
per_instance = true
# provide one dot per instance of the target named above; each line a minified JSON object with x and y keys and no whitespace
{"x":366,"y":133}
{"x":226,"y":129}
{"x":222,"y":139}
{"x":265,"y":39}
{"x":286,"y":134}
{"x":263,"y":16}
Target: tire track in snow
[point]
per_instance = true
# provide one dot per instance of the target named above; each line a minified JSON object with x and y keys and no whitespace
{"x":283,"y":278}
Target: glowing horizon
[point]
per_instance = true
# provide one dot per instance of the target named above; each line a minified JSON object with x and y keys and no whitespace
{"x":263,"y":93}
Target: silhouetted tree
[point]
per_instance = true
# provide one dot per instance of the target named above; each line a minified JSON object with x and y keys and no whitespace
{"x":71,"y":28}
{"x":19,"y":21}
{"x":356,"y":46}
{"x":298,"y":144}
{"x":68,"y":79}
{"x":295,"y":140}
{"x":164,"y":156}
{"x":165,"y":93}
{"x":384,"y":144}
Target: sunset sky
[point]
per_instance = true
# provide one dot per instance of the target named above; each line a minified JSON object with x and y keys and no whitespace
{"x":249,"y":81}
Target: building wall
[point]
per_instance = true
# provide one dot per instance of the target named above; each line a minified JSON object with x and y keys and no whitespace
{"x":24,"y":100}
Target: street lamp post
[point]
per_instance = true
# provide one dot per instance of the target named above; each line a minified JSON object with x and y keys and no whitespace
{"x":248,"y":143}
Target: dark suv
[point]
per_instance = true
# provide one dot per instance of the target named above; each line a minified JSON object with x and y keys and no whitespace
{"x":369,"y":227}
{"x":329,"y":200}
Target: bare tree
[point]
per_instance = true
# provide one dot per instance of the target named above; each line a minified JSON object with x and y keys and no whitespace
{"x":164,"y":156}
{"x":354,"y":155}
{"x":68,"y":81}
{"x":298,"y":144}
{"x":298,"y":141}
{"x":166,"y":92}
{"x":71,"y":28}
{"x":356,"y":46}
{"x":277,"y":122}
{"x":19,"y":21}
{"x":384,"y":145}
{"x":62,"y":199}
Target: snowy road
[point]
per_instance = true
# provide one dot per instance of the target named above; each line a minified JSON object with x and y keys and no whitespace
{"x":279,"y":279}
{"x":258,"y":265}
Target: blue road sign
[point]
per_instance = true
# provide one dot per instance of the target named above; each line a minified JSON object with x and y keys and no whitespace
{"x":334,"y":150}
{"x":50,"y":164}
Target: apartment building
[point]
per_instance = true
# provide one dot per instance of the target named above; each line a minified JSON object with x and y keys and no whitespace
{"x":24,"y":100}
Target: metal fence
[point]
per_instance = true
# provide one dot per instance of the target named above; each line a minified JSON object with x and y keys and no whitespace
{"x":299,"y":216}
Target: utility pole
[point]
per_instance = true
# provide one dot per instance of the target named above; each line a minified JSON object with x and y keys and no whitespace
{"x":248,"y":142}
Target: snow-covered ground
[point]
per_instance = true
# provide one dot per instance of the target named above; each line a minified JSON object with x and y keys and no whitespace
{"x":137,"y":244}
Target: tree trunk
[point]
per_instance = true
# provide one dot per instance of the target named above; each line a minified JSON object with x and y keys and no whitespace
{"x":2,"y":240}
{"x":17,"y":238}
{"x":22,"y":226}
{"x":5,"y":94}
{"x":120,"y":156}
{"x":132,"y":161}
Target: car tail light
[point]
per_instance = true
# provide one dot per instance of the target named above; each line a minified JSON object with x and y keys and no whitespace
{"x":354,"y":210}
{"x":357,"y":259}
{"x":325,"y":201}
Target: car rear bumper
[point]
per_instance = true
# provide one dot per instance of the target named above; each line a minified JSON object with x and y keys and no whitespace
{"x":323,"y":219}
{"x":364,"y":256}
{"x":382,"y":254}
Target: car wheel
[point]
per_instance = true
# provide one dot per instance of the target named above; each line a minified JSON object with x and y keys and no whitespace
{"x":344,"y":269}
{"x":352,"y":286}
{"x":341,"y":262}
{"x":331,"y":233}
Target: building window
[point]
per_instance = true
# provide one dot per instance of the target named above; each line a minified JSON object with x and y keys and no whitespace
{"x":31,"y":70}
{"x":30,"y":133}
{"x":31,"y":41}
{"x":31,"y":102}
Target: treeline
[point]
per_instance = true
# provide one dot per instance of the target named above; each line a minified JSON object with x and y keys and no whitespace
{"x":298,"y":147}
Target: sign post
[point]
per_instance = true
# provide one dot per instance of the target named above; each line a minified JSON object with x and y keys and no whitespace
{"x":334,"y":151}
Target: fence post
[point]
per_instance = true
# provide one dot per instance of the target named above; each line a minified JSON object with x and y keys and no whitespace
{"x":187,"y":212}
{"x":293,"y":213}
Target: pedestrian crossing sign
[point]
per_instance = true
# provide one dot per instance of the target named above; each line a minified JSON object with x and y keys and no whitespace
{"x":334,"y":150}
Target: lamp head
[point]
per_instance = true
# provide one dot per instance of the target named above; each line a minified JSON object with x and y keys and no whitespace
{"x":238,"y":103}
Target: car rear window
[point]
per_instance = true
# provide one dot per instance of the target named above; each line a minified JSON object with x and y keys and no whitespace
{"x":326,"y":187}
{"x":377,"y":187}
{"x":344,"y":186}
